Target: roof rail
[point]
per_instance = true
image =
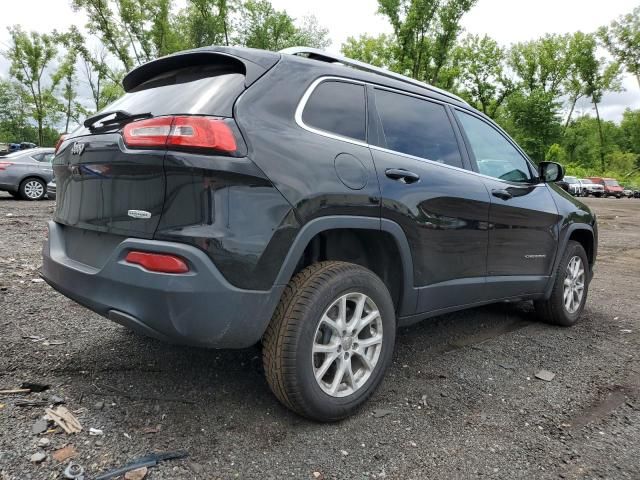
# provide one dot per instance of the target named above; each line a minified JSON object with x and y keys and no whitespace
{"x":321,"y":55}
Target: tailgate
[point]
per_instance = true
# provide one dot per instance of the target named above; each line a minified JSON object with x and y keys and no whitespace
{"x":103,"y":185}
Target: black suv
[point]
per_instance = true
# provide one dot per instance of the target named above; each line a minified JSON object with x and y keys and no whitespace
{"x":310,"y":202}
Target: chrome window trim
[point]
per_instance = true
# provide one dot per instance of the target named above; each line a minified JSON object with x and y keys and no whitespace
{"x":452,"y":167}
{"x":305,"y":97}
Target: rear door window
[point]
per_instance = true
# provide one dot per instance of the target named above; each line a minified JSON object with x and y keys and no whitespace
{"x":337,"y":107}
{"x":417,"y":127}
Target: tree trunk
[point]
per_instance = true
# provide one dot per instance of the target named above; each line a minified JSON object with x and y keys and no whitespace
{"x":602,"y":165}
{"x":66,"y":128}
{"x":573,"y":106}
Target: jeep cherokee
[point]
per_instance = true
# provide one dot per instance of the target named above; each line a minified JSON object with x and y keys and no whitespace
{"x":308,"y":201}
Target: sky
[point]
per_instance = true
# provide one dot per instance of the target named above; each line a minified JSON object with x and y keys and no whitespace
{"x":507,"y":21}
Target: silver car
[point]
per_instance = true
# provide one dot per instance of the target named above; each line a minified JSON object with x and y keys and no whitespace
{"x":25,"y":173}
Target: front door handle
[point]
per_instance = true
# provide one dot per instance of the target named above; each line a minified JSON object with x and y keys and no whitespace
{"x":402,"y":175}
{"x":502,"y":194}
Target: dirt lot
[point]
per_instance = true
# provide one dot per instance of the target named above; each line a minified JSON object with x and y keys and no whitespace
{"x":460,"y":400}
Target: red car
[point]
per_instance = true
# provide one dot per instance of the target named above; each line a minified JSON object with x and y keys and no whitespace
{"x":611,"y":186}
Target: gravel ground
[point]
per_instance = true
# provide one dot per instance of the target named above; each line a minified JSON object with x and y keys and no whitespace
{"x":461,"y":399}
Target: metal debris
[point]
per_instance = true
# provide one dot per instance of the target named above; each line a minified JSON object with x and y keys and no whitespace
{"x":74,"y":472}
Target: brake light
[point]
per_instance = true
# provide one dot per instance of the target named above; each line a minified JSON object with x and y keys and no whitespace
{"x":59,"y":142}
{"x":158,"y":262}
{"x":4,"y":165}
{"x":181,"y":131}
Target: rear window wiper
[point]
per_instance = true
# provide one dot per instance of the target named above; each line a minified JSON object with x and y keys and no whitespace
{"x":120,"y":118}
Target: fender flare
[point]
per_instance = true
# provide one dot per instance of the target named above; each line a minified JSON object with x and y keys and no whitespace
{"x":408,"y":297}
{"x":564,"y":241}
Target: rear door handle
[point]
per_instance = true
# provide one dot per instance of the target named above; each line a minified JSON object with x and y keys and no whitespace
{"x":502,"y":194}
{"x":402,"y":175}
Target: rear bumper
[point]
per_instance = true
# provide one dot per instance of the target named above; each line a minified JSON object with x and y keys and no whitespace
{"x":198,"y":308}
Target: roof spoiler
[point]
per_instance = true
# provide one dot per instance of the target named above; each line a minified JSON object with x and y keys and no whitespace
{"x":255,"y":63}
{"x":321,"y":55}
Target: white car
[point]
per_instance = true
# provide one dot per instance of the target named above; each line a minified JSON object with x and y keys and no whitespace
{"x":590,"y":188}
{"x":575,"y":187}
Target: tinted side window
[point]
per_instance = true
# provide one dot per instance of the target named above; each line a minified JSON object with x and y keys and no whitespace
{"x":337,"y":107}
{"x":495,"y":156}
{"x":417,"y":127}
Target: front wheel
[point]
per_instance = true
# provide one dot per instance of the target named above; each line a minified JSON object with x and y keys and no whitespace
{"x":330,"y":340}
{"x":570,"y":288}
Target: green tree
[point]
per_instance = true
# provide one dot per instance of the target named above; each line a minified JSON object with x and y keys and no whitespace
{"x":598,"y":77}
{"x":622,"y":39}
{"x":262,"y":26}
{"x":630,"y":130}
{"x":30,"y":56}
{"x":424,"y":34}
{"x":376,"y":51}
{"x":14,"y":113}
{"x":482,"y":77}
{"x":205,"y":22}
{"x":67,"y":74}
{"x":580,"y":57}
{"x":556,"y":153}
{"x":533,"y":109}
{"x":136,"y":31}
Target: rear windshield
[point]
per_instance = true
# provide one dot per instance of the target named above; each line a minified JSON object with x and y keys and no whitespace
{"x":570,"y":179}
{"x":611,"y":183}
{"x":209,"y":89}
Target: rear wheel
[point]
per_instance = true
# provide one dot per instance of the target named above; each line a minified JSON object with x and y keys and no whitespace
{"x":569,"y":293}
{"x":330,"y":340}
{"x":32,"y":189}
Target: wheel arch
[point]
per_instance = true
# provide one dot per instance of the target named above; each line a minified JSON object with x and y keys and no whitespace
{"x":337,"y":238}
{"x":583,"y":234}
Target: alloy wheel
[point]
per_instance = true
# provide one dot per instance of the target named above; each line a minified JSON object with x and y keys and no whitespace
{"x":33,"y":189}
{"x":347,"y":344}
{"x":573,"y":285}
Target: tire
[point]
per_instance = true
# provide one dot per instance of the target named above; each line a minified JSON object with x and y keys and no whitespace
{"x":32,"y":189}
{"x":555,"y":310}
{"x":298,"y":326}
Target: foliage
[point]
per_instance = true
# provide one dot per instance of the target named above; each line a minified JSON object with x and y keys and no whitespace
{"x":30,"y":55}
{"x":622,"y":39}
{"x":376,"y":51}
{"x":424,"y":35}
{"x":262,"y":26}
{"x":482,"y":78}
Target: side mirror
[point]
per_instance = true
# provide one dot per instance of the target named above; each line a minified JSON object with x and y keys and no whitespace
{"x":550,"y":172}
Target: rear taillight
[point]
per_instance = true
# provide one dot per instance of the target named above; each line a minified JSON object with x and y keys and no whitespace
{"x":181,"y":131}
{"x":59,"y":142}
{"x":4,"y":165}
{"x":158,"y":262}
